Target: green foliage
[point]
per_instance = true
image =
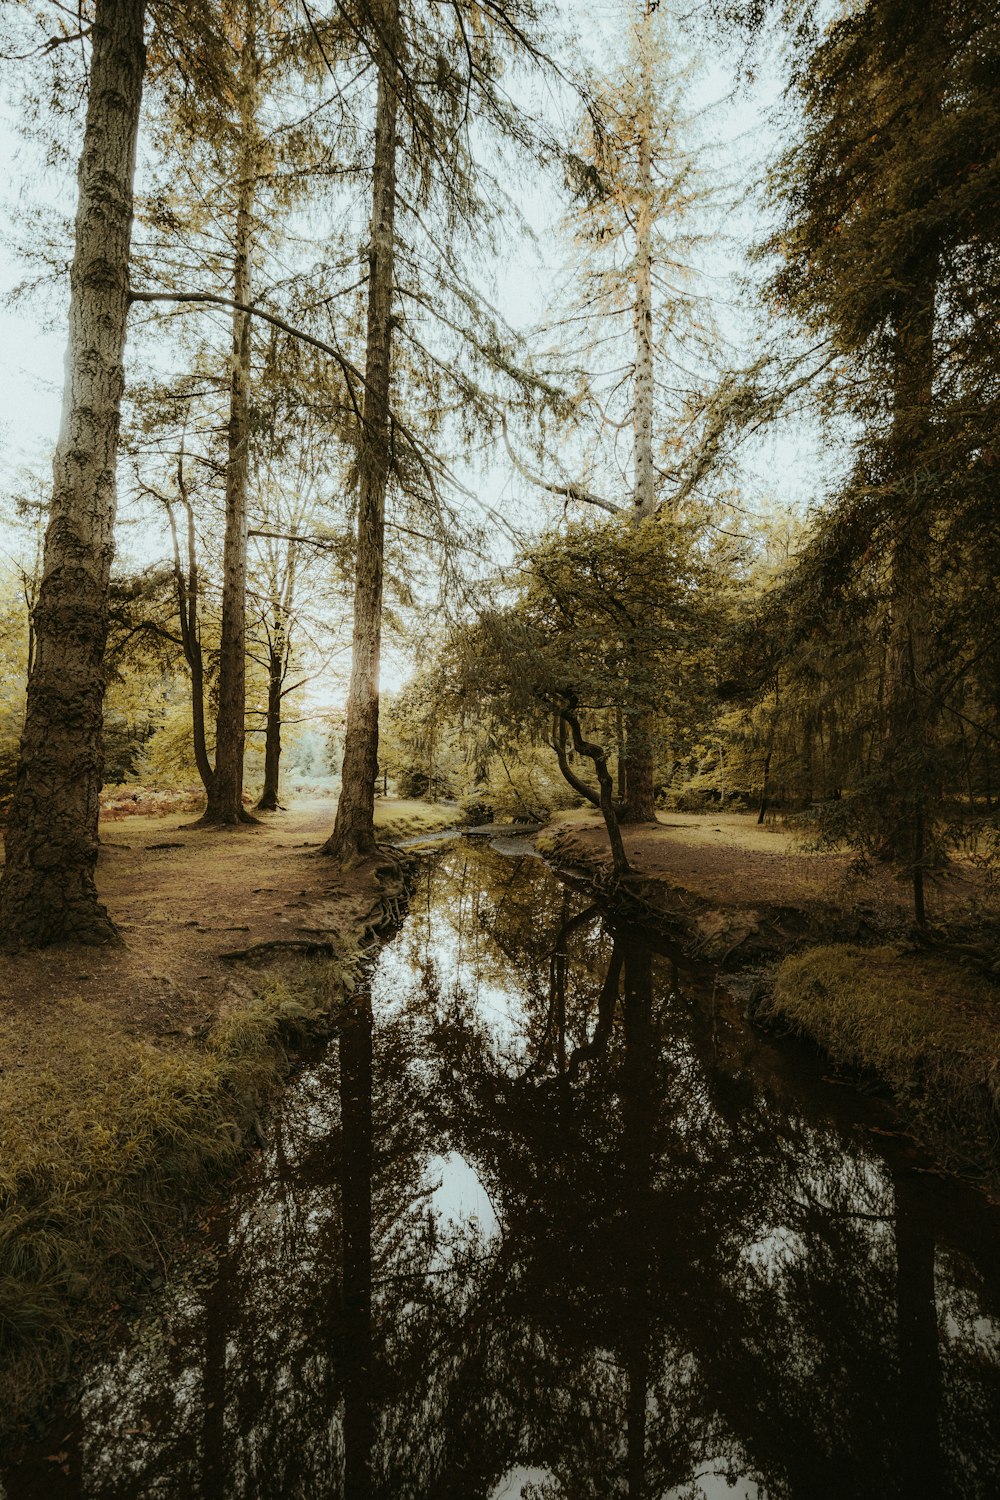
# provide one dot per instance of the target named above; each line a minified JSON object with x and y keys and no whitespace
{"x":871,"y":683}
{"x":616,"y":616}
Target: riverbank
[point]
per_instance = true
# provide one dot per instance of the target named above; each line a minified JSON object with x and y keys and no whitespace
{"x":133,"y":1078}
{"x":833,"y":959}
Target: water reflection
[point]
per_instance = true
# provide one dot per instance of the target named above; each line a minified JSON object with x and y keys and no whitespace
{"x":549,"y":1221}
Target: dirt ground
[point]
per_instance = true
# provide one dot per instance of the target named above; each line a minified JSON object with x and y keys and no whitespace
{"x":726,"y":858}
{"x":183,"y":898}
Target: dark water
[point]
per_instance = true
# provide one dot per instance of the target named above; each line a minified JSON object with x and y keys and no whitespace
{"x":549,"y":1221}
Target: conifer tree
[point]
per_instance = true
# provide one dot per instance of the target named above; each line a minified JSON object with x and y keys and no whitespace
{"x":438,"y":74}
{"x":47,"y":891}
{"x":888,"y":250}
{"x":353,"y":834}
{"x":637,"y":185}
{"x":216,"y":239}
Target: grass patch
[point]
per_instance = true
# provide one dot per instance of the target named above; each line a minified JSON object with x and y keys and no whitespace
{"x":405,"y":817}
{"x":101,"y":1147}
{"x":923,"y":1026}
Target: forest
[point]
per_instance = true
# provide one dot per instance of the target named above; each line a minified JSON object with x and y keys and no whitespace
{"x":498,"y":623}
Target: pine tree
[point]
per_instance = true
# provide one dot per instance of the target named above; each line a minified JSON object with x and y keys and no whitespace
{"x":889,"y":256}
{"x":436,"y":76}
{"x":353,"y":835}
{"x":47,"y":891}
{"x":637,"y":185}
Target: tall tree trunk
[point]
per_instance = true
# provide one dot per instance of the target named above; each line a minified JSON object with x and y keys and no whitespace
{"x":910,"y":716}
{"x":908,"y":753}
{"x":188,"y":587}
{"x":644,"y":491}
{"x":278,"y":657}
{"x":47,"y":892}
{"x":268,"y":801}
{"x":353,"y":835}
{"x":639,"y":805}
{"x":225,"y":791}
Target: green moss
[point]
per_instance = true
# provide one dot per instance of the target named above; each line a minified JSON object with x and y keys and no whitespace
{"x":923,"y":1026}
{"x":99,"y":1149}
{"x":408,"y":818}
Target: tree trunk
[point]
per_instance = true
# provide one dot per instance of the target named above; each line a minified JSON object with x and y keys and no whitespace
{"x":606,"y":800}
{"x":910,"y":715}
{"x":47,"y":893}
{"x":353,"y":835}
{"x":187,"y":585}
{"x":225,"y":791}
{"x":272,"y":734}
{"x":639,"y":804}
{"x":644,"y":492}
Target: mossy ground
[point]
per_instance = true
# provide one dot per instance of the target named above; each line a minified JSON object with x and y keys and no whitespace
{"x":922,"y":1025}
{"x":399,"y":817}
{"x":102,"y":1148}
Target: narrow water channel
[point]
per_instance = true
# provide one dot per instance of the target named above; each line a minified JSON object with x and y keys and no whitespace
{"x":548,"y":1220}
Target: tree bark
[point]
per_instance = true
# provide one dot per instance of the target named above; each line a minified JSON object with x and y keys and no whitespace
{"x":268,"y":801}
{"x":639,"y":805}
{"x":910,"y":714}
{"x":353,"y":836}
{"x":644,"y":492}
{"x":47,"y":893}
{"x":188,"y":588}
{"x":225,"y":790}
{"x":606,"y":800}
{"x":278,"y":657}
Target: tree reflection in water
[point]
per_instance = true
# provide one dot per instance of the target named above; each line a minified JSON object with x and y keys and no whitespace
{"x":706,"y":1277}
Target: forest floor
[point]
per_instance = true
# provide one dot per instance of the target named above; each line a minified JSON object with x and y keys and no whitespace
{"x":132,"y":1077}
{"x":726,"y":861}
{"x":183,"y":898}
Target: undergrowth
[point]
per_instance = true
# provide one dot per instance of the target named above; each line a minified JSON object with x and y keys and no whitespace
{"x":924,"y":1027}
{"x":101,"y":1149}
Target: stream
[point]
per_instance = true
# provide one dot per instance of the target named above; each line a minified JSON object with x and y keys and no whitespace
{"x":547,"y":1219}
